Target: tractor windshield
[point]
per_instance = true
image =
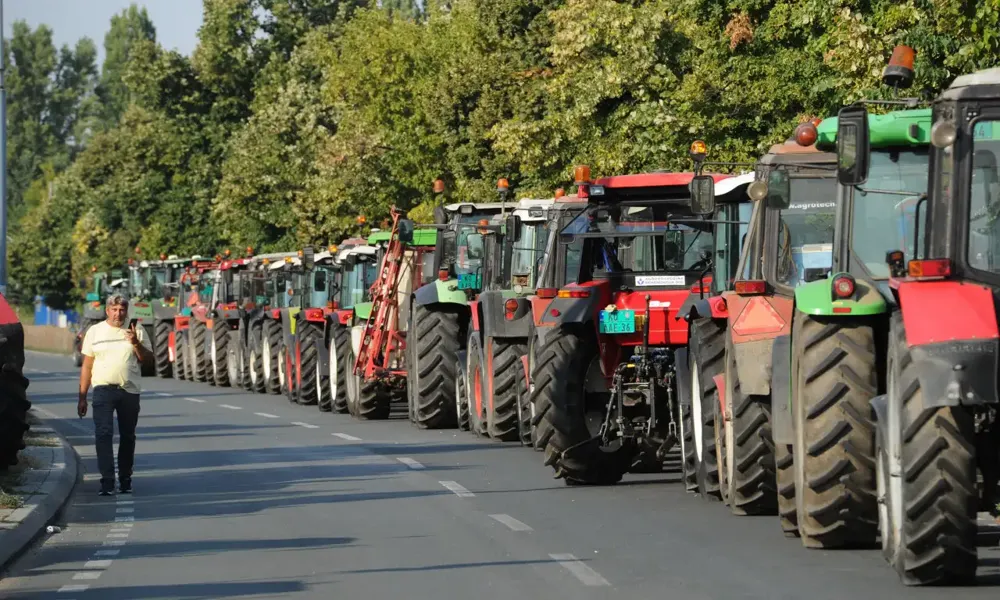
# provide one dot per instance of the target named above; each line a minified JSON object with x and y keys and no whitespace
{"x":984,"y":210}
{"x":638,"y":238}
{"x":527,"y":254}
{"x":321,"y":286}
{"x":159,"y":277}
{"x":885,"y":207}
{"x":805,"y":231}
{"x":468,"y":244}
{"x":356,"y":283}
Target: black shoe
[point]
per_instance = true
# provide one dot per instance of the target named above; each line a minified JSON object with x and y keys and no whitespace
{"x":106,"y":493}
{"x":125,"y":488}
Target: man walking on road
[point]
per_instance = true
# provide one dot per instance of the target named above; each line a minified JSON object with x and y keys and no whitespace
{"x":112,"y":356}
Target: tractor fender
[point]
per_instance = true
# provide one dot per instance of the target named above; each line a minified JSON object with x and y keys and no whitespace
{"x":569,"y":311}
{"x":956,"y":352}
{"x":816,"y":298}
{"x":753,"y":366}
{"x":696,"y":308}
{"x":494,"y":321}
{"x":440,"y":291}
{"x":683,"y":369}
{"x":782,"y":428}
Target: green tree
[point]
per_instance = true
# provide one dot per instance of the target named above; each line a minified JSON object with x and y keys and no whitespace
{"x":128,"y":28}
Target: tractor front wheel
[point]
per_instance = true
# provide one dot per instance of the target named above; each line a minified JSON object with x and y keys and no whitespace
{"x":505,"y":362}
{"x":220,"y":353}
{"x":436,"y":333}
{"x":834,"y":378}
{"x":475,"y":382}
{"x":341,"y":365}
{"x":462,"y":397}
{"x":161,"y":347}
{"x":199,"y":366}
{"x":309,"y":337}
{"x":564,"y":372}
{"x":522,"y":398}
{"x":706,"y":353}
{"x":270,"y":346}
{"x":751,"y":476}
{"x":179,"y":368}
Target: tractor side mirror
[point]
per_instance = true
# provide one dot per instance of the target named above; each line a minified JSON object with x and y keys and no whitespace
{"x":853,"y":145}
{"x":351,"y":260}
{"x":513,"y":228}
{"x":406,"y":228}
{"x":703,"y":195}
{"x":779,"y":194}
{"x":308,"y":258}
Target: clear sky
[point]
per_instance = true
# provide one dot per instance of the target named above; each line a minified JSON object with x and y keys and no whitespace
{"x":176,"y":21}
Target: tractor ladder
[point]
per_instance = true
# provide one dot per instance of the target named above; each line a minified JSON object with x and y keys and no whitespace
{"x":382,"y":338}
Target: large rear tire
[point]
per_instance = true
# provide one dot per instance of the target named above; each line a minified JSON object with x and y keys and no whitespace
{"x":502,"y":416}
{"x":561,"y":401}
{"x":784,"y":466}
{"x":939,"y":495}
{"x":310,"y":337}
{"x":751,"y":475}
{"x":374,"y":401}
{"x":179,"y":367}
{"x":475,"y":385}
{"x":220,"y":352}
{"x":706,"y":353}
{"x":340,"y":366}
{"x":199,"y":335}
{"x":270,"y":346}
{"x":522,"y":398}
{"x":161,"y":348}
{"x":835,"y":377}
{"x":437,"y":343}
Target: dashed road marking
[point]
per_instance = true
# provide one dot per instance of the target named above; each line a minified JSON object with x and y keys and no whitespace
{"x":87,"y":575}
{"x":117,"y":535}
{"x":97,"y":564}
{"x":344,"y":436}
{"x":107,"y":553}
{"x":124,"y":510}
{"x":457,"y":488}
{"x":163,"y":394}
{"x":580,"y":570}
{"x":198,"y":400}
{"x":115,"y":542}
{"x":406,"y":460}
{"x":78,"y":587}
{"x":306,"y":425}
{"x":267,"y":415}
{"x":124,"y":519}
{"x":512,"y":523}
{"x":120,"y":501}
{"x":230,"y":407}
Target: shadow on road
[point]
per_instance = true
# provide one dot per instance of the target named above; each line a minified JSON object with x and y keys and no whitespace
{"x":448,"y":567}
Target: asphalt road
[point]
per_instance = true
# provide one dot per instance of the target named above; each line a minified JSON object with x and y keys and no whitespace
{"x":246,"y":496}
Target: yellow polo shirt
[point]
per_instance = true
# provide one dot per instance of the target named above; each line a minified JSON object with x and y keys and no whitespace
{"x":115,"y":362}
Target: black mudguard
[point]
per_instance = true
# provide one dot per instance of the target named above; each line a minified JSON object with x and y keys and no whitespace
{"x":571,"y":311}
{"x":426,"y":294}
{"x":682,"y":367}
{"x":957,"y":373}
{"x":782,"y":423}
{"x":694,"y":307}
{"x":493,"y":320}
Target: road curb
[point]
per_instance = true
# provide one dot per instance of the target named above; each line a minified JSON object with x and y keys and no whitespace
{"x":55,"y":492}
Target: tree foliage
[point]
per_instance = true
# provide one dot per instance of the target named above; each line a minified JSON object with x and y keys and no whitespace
{"x":293,"y":117}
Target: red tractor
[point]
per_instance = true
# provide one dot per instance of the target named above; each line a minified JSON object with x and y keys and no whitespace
{"x":604,"y":388}
{"x":227,"y":317}
{"x":189,"y":350}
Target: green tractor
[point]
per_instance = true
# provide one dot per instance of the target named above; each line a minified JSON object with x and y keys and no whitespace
{"x":268,"y":285}
{"x":103,"y":284}
{"x":153,"y":304}
{"x":440,"y":315}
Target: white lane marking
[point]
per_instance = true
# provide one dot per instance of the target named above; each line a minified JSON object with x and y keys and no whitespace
{"x":163,"y":394}
{"x":87,"y":575}
{"x":581,"y":571}
{"x":79,"y":587}
{"x":267,"y":415}
{"x":117,"y":535}
{"x":107,"y":553}
{"x":344,"y":436}
{"x":124,"y":510}
{"x":97,"y":564}
{"x":511,"y":522}
{"x":230,"y":407}
{"x":457,"y":488}
{"x":198,"y":400}
{"x":126,"y":501}
{"x":115,"y":542}
{"x":306,"y":425}
{"x":406,"y":460}
{"x":116,"y":530}
{"x":124,"y":519}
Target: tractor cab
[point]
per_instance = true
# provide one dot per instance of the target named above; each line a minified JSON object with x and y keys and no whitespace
{"x":358,"y":269}
{"x":459,"y":250}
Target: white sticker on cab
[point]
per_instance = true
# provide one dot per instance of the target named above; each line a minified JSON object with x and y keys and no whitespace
{"x":658,"y":280}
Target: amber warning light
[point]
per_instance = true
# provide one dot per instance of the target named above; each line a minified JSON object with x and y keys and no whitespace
{"x":899,"y":72}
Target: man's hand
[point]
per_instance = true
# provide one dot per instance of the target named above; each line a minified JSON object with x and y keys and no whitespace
{"x":81,"y":406}
{"x":131,"y":336}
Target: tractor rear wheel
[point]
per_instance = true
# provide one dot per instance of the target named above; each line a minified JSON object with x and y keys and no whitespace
{"x":461,"y":397}
{"x":270,"y":346}
{"x":834,"y":377}
{"x":475,"y":385}
{"x":561,"y":401}
{"x":179,"y":368}
{"x":341,"y":365}
{"x":540,"y":429}
{"x":706,"y":353}
{"x":220,"y":352}
{"x":286,"y":373}
{"x":352,"y":383}
{"x":309,"y":340}
{"x":751,"y":476}
{"x":199,"y":367}
{"x":522,"y":398}
{"x":437,"y":344}
{"x":161,"y":347}
{"x":374,"y":401}
{"x":938,"y":496}
{"x":14,"y":406}
{"x":785,"y":482}
{"x":502,"y":416}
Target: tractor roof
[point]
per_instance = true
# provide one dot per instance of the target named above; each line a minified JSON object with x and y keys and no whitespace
{"x":651,"y":180}
{"x":790,"y":152}
{"x":379,"y":235}
{"x":422,"y":236}
{"x":981,"y":84}
{"x":366,"y":250}
{"x":897,"y":128}
{"x":476,"y":206}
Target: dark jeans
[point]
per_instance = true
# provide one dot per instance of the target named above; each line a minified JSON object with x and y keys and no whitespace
{"x":107,"y":401}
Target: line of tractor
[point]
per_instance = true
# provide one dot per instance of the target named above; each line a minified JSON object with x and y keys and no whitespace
{"x":815,"y":337}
